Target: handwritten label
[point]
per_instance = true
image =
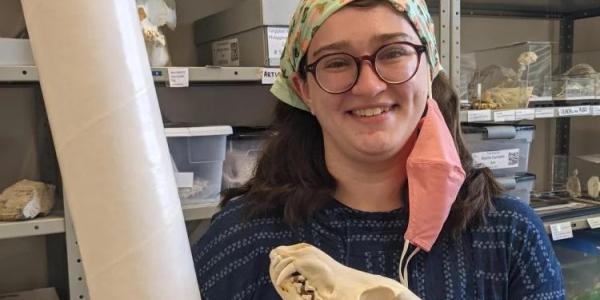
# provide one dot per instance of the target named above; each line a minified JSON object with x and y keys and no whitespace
{"x":544,"y":112}
{"x":561,"y":231}
{"x":184,"y":179}
{"x":276,"y":38}
{"x":574,"y":111}
{"x":504,"y":115}
{"x":179,"y":77}
{"x":269,"y":75}
{"x":501,"y":159}
{"x":226,"y":53}
{"x":524,"y":114}
{"x":594,"y":222}
{"x":479,"y":115}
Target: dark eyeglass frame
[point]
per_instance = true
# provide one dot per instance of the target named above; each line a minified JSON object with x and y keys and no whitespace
{"x":312,"y":68}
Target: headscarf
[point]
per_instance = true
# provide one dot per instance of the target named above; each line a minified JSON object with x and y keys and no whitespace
{"x":311,"y":14}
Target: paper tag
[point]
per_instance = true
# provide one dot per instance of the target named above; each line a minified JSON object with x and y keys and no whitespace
{"x":276,"y":38}
{"x":524,"y":114}
{"x":479,"y":115}
{"x":561,"y":231}
{"x":226,"y":53}
{"x":184,"y":179}
{"x":596,"y":110}
{"x":594,"y":222}
{"x":269,"y":75}
{"x":574,"y":111}
{"x":544,"y":112}
{"x":501,"y":159}
{"x":504,"y":115}
{"x":179,"y":77}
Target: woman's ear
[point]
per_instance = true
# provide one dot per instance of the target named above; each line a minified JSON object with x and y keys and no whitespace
{"x":301,"y":89}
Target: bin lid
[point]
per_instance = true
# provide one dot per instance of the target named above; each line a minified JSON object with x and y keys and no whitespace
{"x":198,"y":131}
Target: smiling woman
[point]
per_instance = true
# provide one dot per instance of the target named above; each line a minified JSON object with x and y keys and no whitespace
{"x":369,"y":168}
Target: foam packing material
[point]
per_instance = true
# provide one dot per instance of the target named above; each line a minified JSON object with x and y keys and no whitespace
{"x":112,"y":152}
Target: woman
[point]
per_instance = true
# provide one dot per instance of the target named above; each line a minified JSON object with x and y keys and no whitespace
{"x":367,"y":168}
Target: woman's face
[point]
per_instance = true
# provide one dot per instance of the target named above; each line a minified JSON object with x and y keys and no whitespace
{"x":349,"y":126}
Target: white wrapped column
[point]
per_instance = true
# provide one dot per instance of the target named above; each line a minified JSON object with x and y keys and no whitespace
{"x":111,"y":148}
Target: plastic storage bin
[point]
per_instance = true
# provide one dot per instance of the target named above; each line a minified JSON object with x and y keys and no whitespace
{"x":197,"y":154}
{"x":509,"y":76}
{"x":249,"y":34}
{"x":502,"y":148}
{"x":574,"y":88}
{"x":243,"y":152}
{"x":519,"y":186}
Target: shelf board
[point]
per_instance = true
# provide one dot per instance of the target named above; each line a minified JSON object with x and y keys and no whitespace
{"x":510,"y":115}
{"x":577,"y":223}
{"x":192,"y":212}
{"x":531,"y":7}
{"x":39,"y":226}
{"x":196,"y":74}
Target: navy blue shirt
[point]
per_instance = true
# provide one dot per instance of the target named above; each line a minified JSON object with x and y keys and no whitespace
{"x":509,"y":257}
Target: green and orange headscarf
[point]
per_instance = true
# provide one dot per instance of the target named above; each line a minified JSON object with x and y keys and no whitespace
{"x":309,"y":16}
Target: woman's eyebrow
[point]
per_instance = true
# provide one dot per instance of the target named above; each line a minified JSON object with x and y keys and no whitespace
{"x":333,"y":46}
{"x":381,"y":38}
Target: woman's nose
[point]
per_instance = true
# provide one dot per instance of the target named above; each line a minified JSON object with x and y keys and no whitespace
{"x":368,"y":83}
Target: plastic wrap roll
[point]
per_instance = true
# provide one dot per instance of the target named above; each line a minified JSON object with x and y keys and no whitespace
{"x":111,"y":148}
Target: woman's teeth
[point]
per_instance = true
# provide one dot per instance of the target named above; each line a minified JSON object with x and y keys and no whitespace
{"x":370,"y":112}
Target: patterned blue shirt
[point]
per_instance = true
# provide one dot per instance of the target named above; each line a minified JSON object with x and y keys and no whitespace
{"x":510,"y":257}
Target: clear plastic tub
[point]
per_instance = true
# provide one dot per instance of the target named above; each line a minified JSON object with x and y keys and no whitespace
{"x":519,"y":186}
{"x":197,"y":155}
{"x":243,"y":151}
{"x":580,"y":263}
{"x":502,"y":148}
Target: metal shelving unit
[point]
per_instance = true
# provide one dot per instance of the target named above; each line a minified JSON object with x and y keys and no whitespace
{"x":511,"y":115}
{"x":41,"y":226}
{"x":196,"y":74}
{"x":55,"y":223}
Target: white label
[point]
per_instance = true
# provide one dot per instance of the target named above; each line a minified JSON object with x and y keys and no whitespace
{"x":269,"y":75}
{"x":594,"y":222}
{"x":504,"y":115}
{"x":479,"y":115}
{"x":596,"y":110}
{"x":184,"y":179}
{"x":574,"y":111}
{"x":226,"y":53}
{"x":501,"y":159}
{"x":276,"y":38}
{"x":179,"y":77}
{"x":544,"y":112}
{"x":561,"y":231}
{"x":524,"y":114}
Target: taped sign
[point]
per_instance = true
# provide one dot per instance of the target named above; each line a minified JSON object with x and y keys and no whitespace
{"x":502,"y":159}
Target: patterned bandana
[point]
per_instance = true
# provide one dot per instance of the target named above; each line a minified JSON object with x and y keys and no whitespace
{"x":309,"y":16}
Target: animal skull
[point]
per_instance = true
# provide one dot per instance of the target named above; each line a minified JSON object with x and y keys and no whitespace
{"x":302,"y":271}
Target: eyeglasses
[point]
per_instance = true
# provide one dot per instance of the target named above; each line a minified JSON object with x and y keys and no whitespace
{"x":394,"y":63}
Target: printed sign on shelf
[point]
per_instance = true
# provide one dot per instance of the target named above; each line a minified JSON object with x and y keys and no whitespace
{"x":594,"y":222}
{"x":544,"y":112}
{"x":179,"y":77}
{"x":269,"y":75}
{"x":569,"y":111}
{"x":525,"y":114}
{"x":561,"y":231}
{"x":504,"y":115}
{"x":479,"y":115}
